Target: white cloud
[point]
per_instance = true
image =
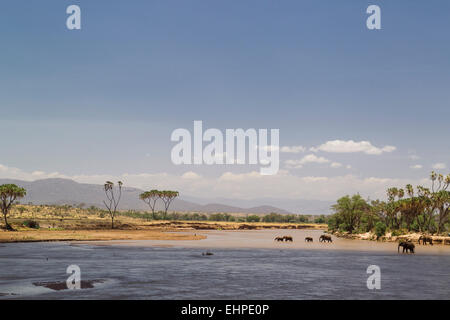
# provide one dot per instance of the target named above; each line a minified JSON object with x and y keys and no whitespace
{"x":310,"y":158}
{"x":439,"y":165}
{"x":191,"y":175}
{"x":416,"y":166}
{"x":350,"y":146}
{"x":293,"y":149}
{"x":336,"y":165}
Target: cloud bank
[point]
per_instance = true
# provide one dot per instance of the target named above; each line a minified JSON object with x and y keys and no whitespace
{"x":350,"y":146}
{"x":250,"y":185}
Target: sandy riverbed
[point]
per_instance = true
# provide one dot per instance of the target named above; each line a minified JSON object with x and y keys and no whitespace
{"x":264,"y":239}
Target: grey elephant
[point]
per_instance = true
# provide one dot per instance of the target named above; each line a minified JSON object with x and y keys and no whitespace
{"x":326,"y":238}
{"x":425,"y":240}
{"x":407,"y":246}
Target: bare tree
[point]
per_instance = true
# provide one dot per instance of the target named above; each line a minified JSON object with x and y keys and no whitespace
{"x":113,"y":199}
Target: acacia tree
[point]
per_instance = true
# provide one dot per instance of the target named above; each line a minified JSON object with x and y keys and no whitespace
{"x":150,"y":198}
{"x":167,"y":197}
{"x":8,"y":194}
{"x":113,"y":199}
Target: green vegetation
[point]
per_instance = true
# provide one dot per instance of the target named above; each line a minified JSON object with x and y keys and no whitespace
{"x":222,"y":217}
{"x":31,"y":224}
{"x":420,"y":210}
{"x":150,"y":198}
{"x":166,"y":196}
{"x":380,"y":229}
{"x":8,"y":194}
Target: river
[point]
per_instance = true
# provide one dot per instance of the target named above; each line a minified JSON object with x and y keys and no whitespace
{"x":163,"y":270}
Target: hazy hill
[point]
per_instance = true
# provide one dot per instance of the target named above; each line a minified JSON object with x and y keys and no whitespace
{"x":64,"y":191}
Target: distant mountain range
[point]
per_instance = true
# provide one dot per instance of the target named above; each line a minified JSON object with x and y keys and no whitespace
{"x":65,"y":191}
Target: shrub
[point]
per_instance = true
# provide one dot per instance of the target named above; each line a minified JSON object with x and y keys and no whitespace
{"x":320,"y":219}
{"x":343,"y":227}
{"x":396,"y":233}
{"x":31,"y":224}
{"x":253,"y":218}
{"x":380,"y":229}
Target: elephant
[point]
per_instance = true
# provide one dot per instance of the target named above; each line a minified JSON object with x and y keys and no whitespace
{"x":408,"y":246}
{"x":425,"y":240}
{"x":309,"y":239}
{"x":324,"y":238}
{"x":279,"y":239}
{"x":288,"y":238}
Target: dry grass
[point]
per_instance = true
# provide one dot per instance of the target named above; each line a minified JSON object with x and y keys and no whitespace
{"x":92,"y":235}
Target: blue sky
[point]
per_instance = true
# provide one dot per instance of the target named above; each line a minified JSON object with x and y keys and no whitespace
{"x":102,"y":101}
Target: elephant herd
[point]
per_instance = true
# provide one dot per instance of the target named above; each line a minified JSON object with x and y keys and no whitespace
{"x":285,"y":238}
{"x":322,"y":238}
{"x":409,"y":247}
{"x":425,"y":240}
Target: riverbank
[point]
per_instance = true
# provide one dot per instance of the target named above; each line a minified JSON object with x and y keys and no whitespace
{"x":130,"y":229}
{"x":412,"y":237}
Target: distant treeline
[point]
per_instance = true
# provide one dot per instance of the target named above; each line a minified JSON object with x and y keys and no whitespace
{"x":64,"y":211}
{"x":272,"y":217}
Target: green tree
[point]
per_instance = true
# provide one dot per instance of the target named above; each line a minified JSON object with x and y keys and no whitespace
{"x":167,"y":197}
{"x":349,"y":210}
{"x":319,"y":219}
{"x":150,"y":198}
{"x":8,"y":194}
{"x":380,"y":229}
{"x":253,"y":218}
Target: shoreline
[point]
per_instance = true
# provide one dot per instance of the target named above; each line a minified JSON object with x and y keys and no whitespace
{"x":412,"y":237}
